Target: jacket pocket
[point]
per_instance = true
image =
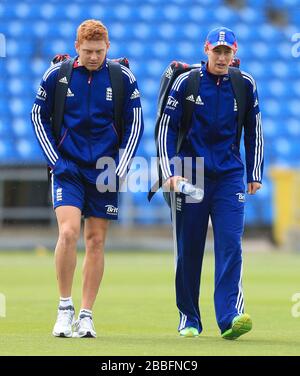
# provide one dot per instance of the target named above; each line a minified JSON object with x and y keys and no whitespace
{"x":236,"y":154}
{"x":116,"y":133}
{"x":63,"y":138}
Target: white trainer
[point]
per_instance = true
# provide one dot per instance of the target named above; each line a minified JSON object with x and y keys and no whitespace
{"x":64,"y":322}
{"x":84,"y":327}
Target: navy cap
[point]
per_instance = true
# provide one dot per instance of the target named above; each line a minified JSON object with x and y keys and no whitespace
{"x":221,"y":36}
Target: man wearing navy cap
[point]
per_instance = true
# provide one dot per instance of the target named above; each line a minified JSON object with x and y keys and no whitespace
{"x":213,"y":135}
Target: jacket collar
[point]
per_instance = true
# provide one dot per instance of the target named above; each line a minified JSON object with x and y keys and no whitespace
{"x":215,"y":77}
{"x":76,"y":64}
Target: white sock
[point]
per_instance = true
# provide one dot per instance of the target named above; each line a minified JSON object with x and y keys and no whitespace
{"x":66,"y":303}
{"x":85,"y":313}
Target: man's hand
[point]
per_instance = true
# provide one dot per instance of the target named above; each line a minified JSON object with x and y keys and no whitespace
{"x":65,"y":167}
{"x":253,"y":187}
{"x":171,"y":183}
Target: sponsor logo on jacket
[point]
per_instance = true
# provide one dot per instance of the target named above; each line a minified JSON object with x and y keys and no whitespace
{"x":172,"y":103}
{"x":135,"y":94}
{"x":69,"y":93}
{"x":198,"y":100}
{"x":169,"y":72}
{"x":41,"y":94}
{"x":64,"y":80}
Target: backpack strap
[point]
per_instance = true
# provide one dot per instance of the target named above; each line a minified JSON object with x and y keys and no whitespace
{"x":117,"y":83}
{"x":239,"y":89}
{"x":61,"y":89}
{"x":191,"y":93}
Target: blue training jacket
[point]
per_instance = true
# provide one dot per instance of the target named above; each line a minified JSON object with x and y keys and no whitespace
{"x":213,"y":131}
{"x":88,"y":131}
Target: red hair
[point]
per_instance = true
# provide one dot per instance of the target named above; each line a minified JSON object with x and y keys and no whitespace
{"x":92,"y":30}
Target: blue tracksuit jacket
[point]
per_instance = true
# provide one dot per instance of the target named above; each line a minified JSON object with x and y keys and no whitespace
{"x":212,"y":135}
{"x":214,"y":127}
{"x":88,"y":131}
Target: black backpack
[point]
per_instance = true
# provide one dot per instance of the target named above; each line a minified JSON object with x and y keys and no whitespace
{"x":61,"y":89}
{"x":194,"y":80}
{"x":62,"y":84}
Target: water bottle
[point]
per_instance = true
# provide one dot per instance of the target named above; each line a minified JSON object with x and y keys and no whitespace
{"x":190,"y":190}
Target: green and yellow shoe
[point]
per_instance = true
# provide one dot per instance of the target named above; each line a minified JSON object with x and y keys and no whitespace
{"x":240,"y":325}
{"x":189,"y":332}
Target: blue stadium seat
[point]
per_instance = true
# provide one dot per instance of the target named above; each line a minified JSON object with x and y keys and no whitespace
{"x":293,"y":107}
{"x":17,"y":86}
{"x":199,"y":14}
{"x":295,"y":16}
{"x":20,"y":48}
{"x":5,"y":128}
{"x":149,"y":88}
{"x":243,"y":32}
{"x":7,"y":151}
{"x":296,"y":88}
{"x":38,"y":67}
{"x":58,"y":45}
{"x":254,"y":16}
{"x":270,"y":127}
{"x":278,"y":88}
{"x":289,"y":5}
{"x":186,"y":50}
{"x":292,"y":126}
{"x":28,"y":149}
{"x":261,"y":50}
{"x":142,"y":31}
{"x":148,"y":13}
{"x":123,"y":12}
{"x":279,"y":69}
{"x":118,"y":30}
{"x":270,"y":107}
{"x":20,"y":127}
{"x":269,"y":33}
{"x":73,"y":12}
{"x":154,"y":68}
{"x":174,"y":13}
{"x":49,"y":11}
{"x":159,"y":49}
{"x":283,"y":146}
{"x":226,"y":16}
{"x":8,"y":11}
{"x":14,"y":66}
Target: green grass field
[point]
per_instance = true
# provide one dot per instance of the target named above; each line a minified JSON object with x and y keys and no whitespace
{"x":135,"y":313}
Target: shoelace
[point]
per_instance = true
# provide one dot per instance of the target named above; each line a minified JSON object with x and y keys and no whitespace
{"x":86,"y":322}
{"x":65,"y":316}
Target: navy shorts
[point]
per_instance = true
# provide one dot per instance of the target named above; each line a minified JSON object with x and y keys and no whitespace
{"x":75,"y":191}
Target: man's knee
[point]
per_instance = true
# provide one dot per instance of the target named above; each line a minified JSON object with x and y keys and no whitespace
{"x":94,"y":244}
{"x":68,"y":235}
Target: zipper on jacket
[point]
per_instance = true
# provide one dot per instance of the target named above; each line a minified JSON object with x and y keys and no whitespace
{"x":216,"y":123}
{"x":89,"y":106}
